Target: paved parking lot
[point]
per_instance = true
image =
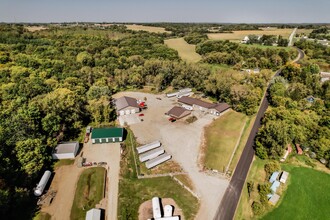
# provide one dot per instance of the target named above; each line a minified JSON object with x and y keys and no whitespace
{"x":182,"y":141}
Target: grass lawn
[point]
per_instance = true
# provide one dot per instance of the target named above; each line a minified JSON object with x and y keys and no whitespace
{"x":64,"y":162}
{"x":186,"y":51}
{"x":133,"y":192}
{"x":89,"y":192}
{"x":42,"y":216}
{"x":307,"y":196}
{"x":221,"y":138}
{"x":185,"y":180}
{"x":245,"y":136}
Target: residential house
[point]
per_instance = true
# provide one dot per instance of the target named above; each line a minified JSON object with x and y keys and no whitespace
{"x":127,"y":105}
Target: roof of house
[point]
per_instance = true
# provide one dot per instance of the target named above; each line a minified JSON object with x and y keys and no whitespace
{"x":273,"y":177}
{"x":275,"y":185}
{"x":66,"y":147}
{"x":193,"y":101}
{"x":124,"y":102}
{"x":178,"y":112}
{"x":93,"y":214}
{"x":107,"y":132}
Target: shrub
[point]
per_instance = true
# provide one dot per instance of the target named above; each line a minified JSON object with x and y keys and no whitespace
{"x":191,"y":119}
{"x":257,"y":208}
{"x":271,"y":167}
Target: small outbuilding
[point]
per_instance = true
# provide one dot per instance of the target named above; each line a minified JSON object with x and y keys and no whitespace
{"x":107,"y":135}
{"x":178,"y":112}
{"x":273,"y":177}
{"x":284,"y":176}
{"x":93,"y":214}
{"x":274,"y":199}
{"x":275,"y":185}
{"x":65,"y":150}
{"x":127,"y":105}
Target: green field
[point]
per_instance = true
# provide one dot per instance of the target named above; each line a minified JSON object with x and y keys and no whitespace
{"x":307,"y":196}
{"x":221,"y":138}
{"x":133,"y":192}
{"x":186,"y":51}
{"x":89,"y":192}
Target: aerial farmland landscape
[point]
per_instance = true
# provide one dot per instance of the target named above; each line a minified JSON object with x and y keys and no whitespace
{"x":164,"y":110}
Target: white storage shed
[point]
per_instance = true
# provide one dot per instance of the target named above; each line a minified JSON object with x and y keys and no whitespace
{"x":158,"y":160}
{"x":65,"y":150}
{"x":148,"y":147}
{"x":156,"y":208}
{"x":93,"y":214}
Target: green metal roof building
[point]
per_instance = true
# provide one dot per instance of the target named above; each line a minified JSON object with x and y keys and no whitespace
{"x":107,"y":135}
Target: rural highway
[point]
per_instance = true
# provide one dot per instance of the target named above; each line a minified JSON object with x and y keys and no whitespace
{"x":291,"y":37}
{"x":227,"y":208}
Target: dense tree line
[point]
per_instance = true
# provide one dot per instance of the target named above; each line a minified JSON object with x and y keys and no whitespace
{"x":230,"y":53}
{"x":195,"y":38}
{"x":320,"y":33}
{"x":314,"y":50}
{"x":292,"y":118}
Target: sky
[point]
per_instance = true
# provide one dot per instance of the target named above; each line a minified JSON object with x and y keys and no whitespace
{"x":219,"y":11}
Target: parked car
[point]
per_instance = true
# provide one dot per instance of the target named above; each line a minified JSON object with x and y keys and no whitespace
{"x":141,"y":114}
{"x":170,"y":119}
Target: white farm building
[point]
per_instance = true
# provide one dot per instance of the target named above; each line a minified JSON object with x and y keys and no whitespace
{"x":127,"y":105}
{"x":65,"y":150}
{"x":93,"y":214}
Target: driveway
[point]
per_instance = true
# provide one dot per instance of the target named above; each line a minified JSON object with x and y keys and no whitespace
{"x":129,"y":119}
{"x":183,"y":142}
{"x":110,"y":153}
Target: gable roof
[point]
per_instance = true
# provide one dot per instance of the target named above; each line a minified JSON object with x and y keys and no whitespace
{"x":124,"y":102}
{"x":66,"y":147}
{"x":192,"y":101}
{"x":107,"y":132}
{"x":178,"y":112}
{"x":220,"y":107}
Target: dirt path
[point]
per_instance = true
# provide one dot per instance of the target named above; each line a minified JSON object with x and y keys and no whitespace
{"x":64,"y":182}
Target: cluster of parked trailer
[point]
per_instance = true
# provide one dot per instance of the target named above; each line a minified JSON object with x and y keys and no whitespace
{"x":152,"y":154}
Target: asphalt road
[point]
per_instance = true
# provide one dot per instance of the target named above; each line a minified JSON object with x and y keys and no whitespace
{"x":228,"y":205}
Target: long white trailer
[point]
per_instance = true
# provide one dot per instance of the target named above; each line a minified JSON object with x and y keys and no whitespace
{"x":158,"y":160}
{"x":151,"y":154}
{"x":169,"y":95}
{"x":156,"y":211}
{"x":185,"y":90}
{"x":148,"y":147}
{"x":169,"y":218}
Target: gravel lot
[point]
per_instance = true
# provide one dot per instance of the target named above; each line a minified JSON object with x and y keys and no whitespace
{"x":183,"y":141}
{"x":110,"y":153}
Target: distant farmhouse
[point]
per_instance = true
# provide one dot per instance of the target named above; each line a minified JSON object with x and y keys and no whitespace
{"x":197,"y":104}
{"x":126,"y":105}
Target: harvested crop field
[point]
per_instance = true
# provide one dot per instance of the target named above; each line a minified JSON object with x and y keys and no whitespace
{"x":35,"y":28}
{"x":186,"y":51}
{"x":239,"y":35}
{"x":135,"y":27}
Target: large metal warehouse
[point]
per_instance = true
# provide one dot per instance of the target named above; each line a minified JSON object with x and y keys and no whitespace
{"x":107,"y":135}
{"x":66,"y":150}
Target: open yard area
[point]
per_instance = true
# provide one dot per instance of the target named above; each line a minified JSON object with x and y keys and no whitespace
{"x":89,"y":192}
{"x":239,"y":35}
{"x":307,"y":196}
{"x":136,"y":27}
{"x":221,"y":138}
{"x":182,"y":141}
{"x":133,"y":192}
{"x":186,"y":51}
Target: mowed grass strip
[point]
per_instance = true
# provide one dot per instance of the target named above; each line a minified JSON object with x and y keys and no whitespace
{"x":221,"y":138}
{"x":246,"y":133}
{"x":307,"y":196}
{"x":239,"y":35}
{"x":89,"y":192}
{"x":186,"y":51}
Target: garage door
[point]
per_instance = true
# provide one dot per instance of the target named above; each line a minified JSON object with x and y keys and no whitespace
{"x":121,"y":112}
{"x":127,"y":112}
{"x":133,"y":111}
